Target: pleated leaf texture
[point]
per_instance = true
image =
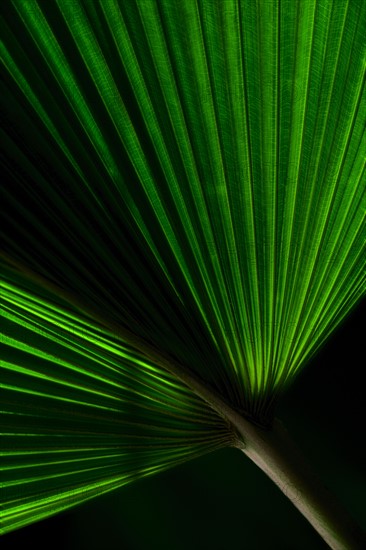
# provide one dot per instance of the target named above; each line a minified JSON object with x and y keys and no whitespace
{"x":83,"y":414}
{"x":184,"y":185}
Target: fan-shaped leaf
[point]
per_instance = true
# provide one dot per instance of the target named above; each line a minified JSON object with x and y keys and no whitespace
{"x":83,"y":414}
{"x":191,"y":174}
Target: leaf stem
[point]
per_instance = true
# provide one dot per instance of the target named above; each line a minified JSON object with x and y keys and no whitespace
{"x":275,"y":453}
{"x":271,"y":450}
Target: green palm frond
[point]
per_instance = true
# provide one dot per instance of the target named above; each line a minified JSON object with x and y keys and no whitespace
{"x":185,"y":218}
{"x":85,"y":415}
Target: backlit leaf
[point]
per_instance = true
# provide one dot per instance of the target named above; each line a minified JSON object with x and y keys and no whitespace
{"x":185,"y":180}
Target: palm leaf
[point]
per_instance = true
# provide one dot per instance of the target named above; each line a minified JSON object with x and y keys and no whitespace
{"x":83,"y":414}
{"x":185,"y":209}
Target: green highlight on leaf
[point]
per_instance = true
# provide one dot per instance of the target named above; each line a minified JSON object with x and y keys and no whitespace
{"x":83,"y":415}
